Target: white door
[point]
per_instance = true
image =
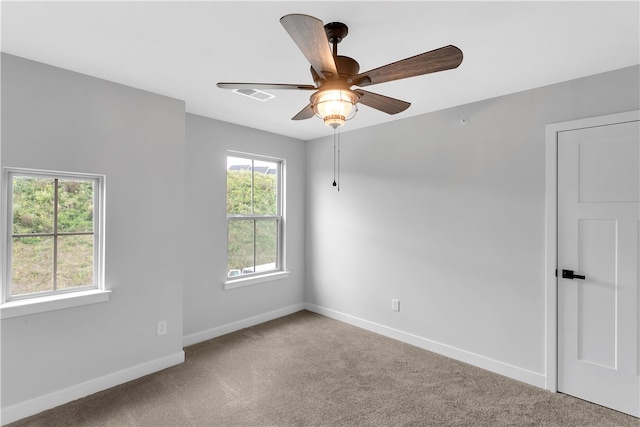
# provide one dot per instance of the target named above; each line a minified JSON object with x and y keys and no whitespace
{"x":598,"y":238}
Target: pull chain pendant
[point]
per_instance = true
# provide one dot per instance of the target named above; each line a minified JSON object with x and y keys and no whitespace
{"x":336,"y":157}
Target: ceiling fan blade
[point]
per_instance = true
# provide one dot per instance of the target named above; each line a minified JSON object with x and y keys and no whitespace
{"x":305,"y":113}
{"x":272,"y":86}
{"x":310,"y":36}
{"x":445,"y":58}
{"x":380,"y":102}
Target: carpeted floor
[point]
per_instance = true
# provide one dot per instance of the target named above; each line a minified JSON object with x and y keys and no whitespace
{"x":309,"y":370}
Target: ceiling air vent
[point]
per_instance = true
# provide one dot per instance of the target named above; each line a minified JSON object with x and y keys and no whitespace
{"x":255,"y":94}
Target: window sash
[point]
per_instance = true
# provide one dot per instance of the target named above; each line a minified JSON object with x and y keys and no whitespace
{"x":96,"y":232}
{"x":278,"y":244}
{"x":278,"y":217}
{"x":256,"y":158}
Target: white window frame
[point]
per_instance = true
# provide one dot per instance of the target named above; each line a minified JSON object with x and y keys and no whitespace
{"x":280,"y":271}
{"x":37,"y":302}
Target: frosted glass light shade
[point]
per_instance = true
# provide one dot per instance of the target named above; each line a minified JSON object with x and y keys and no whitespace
{"x":334,"y":106}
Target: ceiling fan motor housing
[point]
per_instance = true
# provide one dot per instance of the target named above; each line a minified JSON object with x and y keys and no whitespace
{"x":347,"y":68}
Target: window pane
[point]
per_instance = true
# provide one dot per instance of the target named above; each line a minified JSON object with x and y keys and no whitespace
{"x":265,"y":183}
{"x":31,"y":265}
{"x":266,"y":244}
{"x":75,"y":206}
{"x":75,"y":261}
{"x":238,"y":185}
{"x":240,"y":247}
{"x":32,"y":205}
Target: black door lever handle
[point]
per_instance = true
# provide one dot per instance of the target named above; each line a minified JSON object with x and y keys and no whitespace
{"x":569,"y":274}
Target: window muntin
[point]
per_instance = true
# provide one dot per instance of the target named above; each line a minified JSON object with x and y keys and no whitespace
{"x":55,"y":233}
{"x":254,"y":216}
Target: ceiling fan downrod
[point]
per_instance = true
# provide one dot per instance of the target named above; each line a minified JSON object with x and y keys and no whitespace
{"x":336,"y":31}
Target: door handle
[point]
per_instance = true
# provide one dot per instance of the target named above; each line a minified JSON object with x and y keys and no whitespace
{"x":569,"y":274}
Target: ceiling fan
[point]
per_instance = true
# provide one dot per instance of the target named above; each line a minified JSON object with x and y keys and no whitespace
{"x":338,"y":81}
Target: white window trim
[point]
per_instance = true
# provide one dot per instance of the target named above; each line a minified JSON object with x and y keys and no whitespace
{"x":254,"y":280}
{"x":25,"y":305}
{"x":281,"y":273}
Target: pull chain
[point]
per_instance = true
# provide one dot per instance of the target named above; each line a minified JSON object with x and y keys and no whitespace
{"x":336,"y":157}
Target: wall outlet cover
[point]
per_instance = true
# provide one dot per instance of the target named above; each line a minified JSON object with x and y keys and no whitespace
{"x":162,"y":327}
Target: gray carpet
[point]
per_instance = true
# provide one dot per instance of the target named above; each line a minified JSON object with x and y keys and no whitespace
{"x":309,"y":370}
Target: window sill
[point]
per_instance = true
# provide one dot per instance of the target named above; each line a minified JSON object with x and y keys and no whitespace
{"x":29,"y":306}
{"x":248,"y":281}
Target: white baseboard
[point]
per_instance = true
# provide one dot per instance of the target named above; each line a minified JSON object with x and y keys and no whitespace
{"x":60,"y":397}
{"x":483,"y":362}
{"x":208,"y":334}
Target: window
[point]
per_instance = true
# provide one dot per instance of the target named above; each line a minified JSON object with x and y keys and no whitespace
{"x":255,"y":225}
{"x":54,"y":233}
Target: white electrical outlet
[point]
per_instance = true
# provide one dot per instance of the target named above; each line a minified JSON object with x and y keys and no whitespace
{"x":162,"y":327}
{"x":395,"y":305}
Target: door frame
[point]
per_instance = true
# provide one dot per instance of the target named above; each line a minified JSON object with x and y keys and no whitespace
{"x":551,"y":228}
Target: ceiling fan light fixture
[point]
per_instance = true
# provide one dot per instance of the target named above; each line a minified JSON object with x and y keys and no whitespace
{"x":333,"y":100}
{"x":335,"y":106}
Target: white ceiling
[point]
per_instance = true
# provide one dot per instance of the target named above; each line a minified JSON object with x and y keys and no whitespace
{"x":182,"y":49}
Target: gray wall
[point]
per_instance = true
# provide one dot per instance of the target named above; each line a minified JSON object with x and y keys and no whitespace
{"x":207,"y":306}
{"x":450,"y":220}
{"x":60,"y":120}
{"x":165,"y":229}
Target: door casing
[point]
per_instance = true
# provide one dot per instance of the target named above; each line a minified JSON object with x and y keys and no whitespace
{"x":551,"y":238}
